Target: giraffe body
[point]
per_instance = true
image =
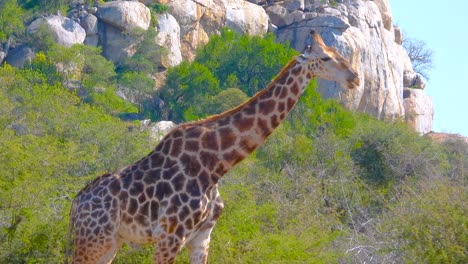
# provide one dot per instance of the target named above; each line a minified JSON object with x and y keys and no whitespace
{"x":170,"y":198}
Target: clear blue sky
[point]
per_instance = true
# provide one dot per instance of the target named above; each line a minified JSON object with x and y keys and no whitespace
{"x":444,"y":28}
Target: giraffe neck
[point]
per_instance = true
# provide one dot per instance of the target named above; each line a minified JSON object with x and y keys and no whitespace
{"x":238,"y":132}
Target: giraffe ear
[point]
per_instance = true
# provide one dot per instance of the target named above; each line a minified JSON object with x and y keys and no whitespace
{"x":316,"y":39}
{"x":314,"y":43}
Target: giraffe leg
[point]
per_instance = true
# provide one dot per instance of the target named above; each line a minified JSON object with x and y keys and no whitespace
{"x":199,"y":244}
{"x":167,"y":250}
{"x":95,"y":248}
{"x":90,"y":252}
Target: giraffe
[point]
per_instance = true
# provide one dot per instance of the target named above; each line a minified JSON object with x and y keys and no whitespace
{"x":170,"y":198}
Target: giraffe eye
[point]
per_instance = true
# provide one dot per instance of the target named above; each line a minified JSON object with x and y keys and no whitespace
{"x":326,"y":59}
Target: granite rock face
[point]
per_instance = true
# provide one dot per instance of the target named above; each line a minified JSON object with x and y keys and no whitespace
{"x":361,"y":30}
{"x":200,"y":19}
{"x":65,"y":31}
{"x":18,"y":56}
{"x":364,"y":33}
{"x":121,"y":22}
{"x":125,"y":15}
{"x":169,"y":37}
{"x":419,"y":110}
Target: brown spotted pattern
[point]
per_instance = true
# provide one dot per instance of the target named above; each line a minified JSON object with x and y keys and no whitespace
{"x":170,"y":198}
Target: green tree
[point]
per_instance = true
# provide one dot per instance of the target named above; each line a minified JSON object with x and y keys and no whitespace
{"x":225,"y":100}
{"x":138,"y":86}
{"x":84,"y":64}
{"x":251,"y":61}
{"x":11,"y":19}
{"x":49,"y":6}
{"x":147,"y":56}
{"x":428,"y":225}
{"x":187,"y":85}
{"x":51,"y":145}
{"x":229,"y":60}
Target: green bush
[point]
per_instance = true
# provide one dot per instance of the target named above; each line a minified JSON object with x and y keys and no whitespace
{"x":11,"y":19}
{"x":187,"y":85}
{"x":51,"y":144}
{"x":225,"y":100}
{"x":429,"y":223}
{"x":246,"y":62}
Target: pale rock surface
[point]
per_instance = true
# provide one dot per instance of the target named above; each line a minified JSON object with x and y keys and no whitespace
{"x":202,"y":18}
{"x":386,"y":13}
{"x":65,"y":31}
{"x":90,"y":24}
{"x":159,"y":129}
{"x":125,"y":15}
{"x":293,"y":5}
{"x":3,"y":55}
{"x":117,"y":45}
{"x":123,"y":21}
{"x":277,"y":14}
{"x":440,"y":137}
{"x":419,"y":110}
{"x":398,"y":35}
{"x":358,"y":32}
{"x":18,"y":56}
{"x":169,"y":37}
{"x":245,"y":17}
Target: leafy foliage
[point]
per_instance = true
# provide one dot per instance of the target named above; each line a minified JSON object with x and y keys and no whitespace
{"x":329,"y":186}
{"x":10,"y":19}
{"x":242,"y":61}
{"x":187,"y":85}
{"x":225,"y":100}
{"x":227,"y":61}
{"x":52,"y":145}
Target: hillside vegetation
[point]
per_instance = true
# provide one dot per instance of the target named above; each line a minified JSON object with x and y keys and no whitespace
{"x":329,"y":186}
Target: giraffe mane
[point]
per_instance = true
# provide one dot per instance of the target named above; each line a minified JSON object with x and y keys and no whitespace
{"x":215,"y":117}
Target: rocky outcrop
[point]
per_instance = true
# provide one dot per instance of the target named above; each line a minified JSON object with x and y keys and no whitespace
{"x":169,"y":37}
{"x":125,"y":15}
{"x":362,"y":31}
{"x":199,"y":19}
{"x":90,"y":25}
{"x":157,"y":130}
{"x":419,"y":111}
{"x":122,"y":21}
{"x":65,"y":31}
{"x":446,"y":137}
{"x":18,"y":56}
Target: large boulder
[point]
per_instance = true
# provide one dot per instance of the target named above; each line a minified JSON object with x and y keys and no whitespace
{"x":18,"y":56}
{"x":123,"y":23}
{"x":116,"y":45}
{"x":125,"y":15}
{"x":3,"y":55}
{"x":90,"y":25}
{"x":440,"y":137}
{"x":245,"y":17}
{"x":159,"y":129}
{"x":385,"y":13}
{"x":65,"y":31}
{"x":169,"y":37}
{"x":200,"y":19}
{"x":419,"y":110}
{"x":360,"y":31}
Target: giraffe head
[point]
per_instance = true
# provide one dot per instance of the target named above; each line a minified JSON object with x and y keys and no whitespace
{"x":327,"y":63}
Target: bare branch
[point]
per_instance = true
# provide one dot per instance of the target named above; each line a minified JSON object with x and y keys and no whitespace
{"x":420,"y":55}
